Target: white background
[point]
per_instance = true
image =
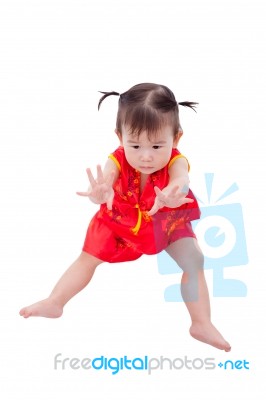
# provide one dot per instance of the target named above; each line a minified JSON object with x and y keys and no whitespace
{"x":55,"y":57}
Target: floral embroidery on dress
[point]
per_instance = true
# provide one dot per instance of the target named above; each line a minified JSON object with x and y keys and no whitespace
{"x":177,"y":218}
{"x":115,"y":214}
{"x":173,"y":223}
{"x":133,"y":182}
{"x":155,"y":176}
{"x":146,"y":216}
{"x":118,"y":190}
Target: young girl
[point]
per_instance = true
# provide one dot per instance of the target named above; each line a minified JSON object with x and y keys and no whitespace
{"x":146,"y":207}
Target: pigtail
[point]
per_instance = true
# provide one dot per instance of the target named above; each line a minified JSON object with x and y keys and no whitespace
{"x":189,"y":104}
{"x":106,"y":94}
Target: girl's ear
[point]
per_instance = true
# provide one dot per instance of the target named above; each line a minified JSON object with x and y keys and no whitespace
{"x":177,"y":138}
{"x":119,"y":135}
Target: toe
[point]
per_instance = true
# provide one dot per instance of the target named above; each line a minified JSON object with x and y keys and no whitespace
{"x":25,"y":313}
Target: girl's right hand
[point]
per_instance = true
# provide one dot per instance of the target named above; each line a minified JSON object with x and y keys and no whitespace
{"x":101,"y":190}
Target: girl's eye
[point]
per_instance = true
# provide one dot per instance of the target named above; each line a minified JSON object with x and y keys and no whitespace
{"x":135,"y":147}
{"x":156,"y":147}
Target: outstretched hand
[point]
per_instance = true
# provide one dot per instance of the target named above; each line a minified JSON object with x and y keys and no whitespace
{"x":101,"y":190}
{"x":172,"y":199}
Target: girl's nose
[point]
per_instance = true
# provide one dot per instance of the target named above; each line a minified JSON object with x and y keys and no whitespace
{"x":146,"y":155}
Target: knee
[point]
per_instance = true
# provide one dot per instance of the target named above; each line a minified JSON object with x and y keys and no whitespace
{"x":194,"y":262}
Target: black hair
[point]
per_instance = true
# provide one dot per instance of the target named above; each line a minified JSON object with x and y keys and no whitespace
{"x":147,"y":107}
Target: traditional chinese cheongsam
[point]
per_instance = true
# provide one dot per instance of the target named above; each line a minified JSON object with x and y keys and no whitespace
{"x":127,"y":231}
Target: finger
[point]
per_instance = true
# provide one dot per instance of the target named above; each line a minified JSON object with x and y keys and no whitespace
{"x":188,"y":200}
{"x":153,"y":211}
{"x":161,"y":200}
{"x":100,"y":177}
{"x":157,"y":190}
{"x":160,"y":195}
{"x":85,"y":194}
{"x":154,"y":208}
{"x":184,"y":201}
{"x":109,"y":202}
{"x":91,"y":178}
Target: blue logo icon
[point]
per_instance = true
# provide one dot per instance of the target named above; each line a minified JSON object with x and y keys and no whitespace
{"x":221,"y":234}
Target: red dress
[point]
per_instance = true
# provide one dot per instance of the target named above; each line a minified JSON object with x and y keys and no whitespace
{"x":127,"y":231}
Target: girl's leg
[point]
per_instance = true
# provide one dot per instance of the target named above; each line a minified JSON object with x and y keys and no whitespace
{"x":187,"y":254}
{"x":76,"y":277}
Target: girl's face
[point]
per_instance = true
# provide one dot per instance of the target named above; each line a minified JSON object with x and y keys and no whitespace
{"x":148,"y":155}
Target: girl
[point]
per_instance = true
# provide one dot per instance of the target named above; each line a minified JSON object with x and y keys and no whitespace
{"x":146,"y":207}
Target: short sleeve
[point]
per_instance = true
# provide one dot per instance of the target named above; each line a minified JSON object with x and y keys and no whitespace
{"x":174,"y":156}
{"x":117,"y":157}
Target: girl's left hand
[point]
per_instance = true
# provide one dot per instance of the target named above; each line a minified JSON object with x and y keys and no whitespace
{"x":172,"y":199}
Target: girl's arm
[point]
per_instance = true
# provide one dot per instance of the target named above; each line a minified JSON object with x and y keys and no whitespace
{"x":178,"y":175}
{"x":101,"y":189}
{"x":174,"y":194}
{"x":110,"y":168}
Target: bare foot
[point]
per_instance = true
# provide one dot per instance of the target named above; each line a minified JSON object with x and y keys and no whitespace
{"x":45,"y":308}
{"x":207,"y":333}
